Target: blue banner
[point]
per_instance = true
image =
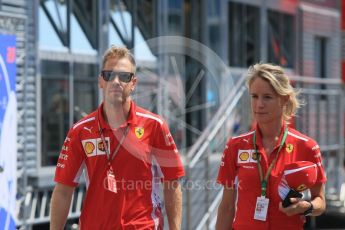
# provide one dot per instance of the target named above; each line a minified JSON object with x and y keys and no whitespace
{"x":8,"y":132}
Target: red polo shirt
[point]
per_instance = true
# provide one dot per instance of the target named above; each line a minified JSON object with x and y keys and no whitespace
{"x":147,"y":156}
{"x":239,"y":167}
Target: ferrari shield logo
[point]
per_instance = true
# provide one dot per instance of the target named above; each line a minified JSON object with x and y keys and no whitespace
{"x":289,"y":148}
{"x":301,"y":188}
{"x":139,"y":132}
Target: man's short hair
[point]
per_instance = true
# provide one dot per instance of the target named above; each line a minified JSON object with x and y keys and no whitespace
{"x":118,"y":53}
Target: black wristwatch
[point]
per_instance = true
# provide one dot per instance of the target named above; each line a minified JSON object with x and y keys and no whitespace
{"x":309,"y":211}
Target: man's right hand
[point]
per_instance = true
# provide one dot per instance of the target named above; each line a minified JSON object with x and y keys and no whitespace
{"x":59,"y":206}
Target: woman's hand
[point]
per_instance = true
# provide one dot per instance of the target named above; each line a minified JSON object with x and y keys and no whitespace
{"x":297,"y":207}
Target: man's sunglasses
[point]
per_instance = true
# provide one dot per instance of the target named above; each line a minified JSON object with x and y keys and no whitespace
{"x":109,"y":75}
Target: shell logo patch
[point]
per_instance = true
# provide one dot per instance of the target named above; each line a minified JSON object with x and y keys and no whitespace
{"x":94,"y":147}
{"x":139,"y":132}
{"x":244,"y":156}
{"x":289,"y":148}
{"x":89,"y":147}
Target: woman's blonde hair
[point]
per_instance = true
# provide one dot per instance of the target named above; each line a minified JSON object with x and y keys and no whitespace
{"x":280,"y":82}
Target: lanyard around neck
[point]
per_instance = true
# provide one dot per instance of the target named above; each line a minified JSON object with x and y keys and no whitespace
{"x":117,"y":147}
{"x":263,"y":179}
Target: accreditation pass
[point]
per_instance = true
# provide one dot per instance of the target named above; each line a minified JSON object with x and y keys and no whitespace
{"x":261,"y":208}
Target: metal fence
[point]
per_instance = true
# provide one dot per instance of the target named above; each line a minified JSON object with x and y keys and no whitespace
{"x":202,"y":193}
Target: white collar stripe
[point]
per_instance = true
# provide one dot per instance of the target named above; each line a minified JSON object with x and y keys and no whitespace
{"x":149,"y":116}
{"x":244,"y":135}
{"x":82,"y":122}
{"x":299,"y":137}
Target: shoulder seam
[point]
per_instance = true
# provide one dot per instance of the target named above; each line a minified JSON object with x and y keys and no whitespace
{"x":149,"y":116}
{"x":298,"y":137}
{"x":84,"y":121}
{"x":244,"y":135}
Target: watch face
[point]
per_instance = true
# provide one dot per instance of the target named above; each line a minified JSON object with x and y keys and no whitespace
{"x":308,"y":213}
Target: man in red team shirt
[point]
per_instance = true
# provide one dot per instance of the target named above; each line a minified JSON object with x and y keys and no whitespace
{"x":125,"y":153}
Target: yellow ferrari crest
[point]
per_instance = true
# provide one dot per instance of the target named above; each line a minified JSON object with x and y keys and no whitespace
{"x":289,"y":148}
{"x":139,"y":132}
{"x":301,"y":188}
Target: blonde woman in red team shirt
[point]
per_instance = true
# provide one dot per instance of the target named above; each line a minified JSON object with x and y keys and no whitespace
{"x":249,"y":201}
{"x":125,"y":152}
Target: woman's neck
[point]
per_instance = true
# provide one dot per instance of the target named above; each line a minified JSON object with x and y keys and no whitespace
{"x":271,"y":130}
{"x":270,"y":135}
